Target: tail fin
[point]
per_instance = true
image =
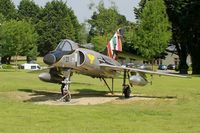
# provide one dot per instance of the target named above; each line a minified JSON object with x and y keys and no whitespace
{"x":115,"y":44}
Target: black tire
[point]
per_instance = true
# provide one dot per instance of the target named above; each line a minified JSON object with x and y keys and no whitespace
{"x":126,"y":91}
{"x":61,"y":89}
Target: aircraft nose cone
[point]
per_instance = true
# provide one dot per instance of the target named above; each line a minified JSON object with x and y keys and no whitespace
{"x":49,"y":59}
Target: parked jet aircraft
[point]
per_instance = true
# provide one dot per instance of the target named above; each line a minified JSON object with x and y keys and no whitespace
{"x":69,"y":57}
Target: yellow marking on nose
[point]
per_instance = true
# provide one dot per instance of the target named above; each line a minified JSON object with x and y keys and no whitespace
{"x":91,"y":58}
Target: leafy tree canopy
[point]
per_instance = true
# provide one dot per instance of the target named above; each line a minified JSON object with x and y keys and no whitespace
{"x":17,"y":38}
{"x":153,"y":34}
{"x":57,"y":22}
{"x":185,"y":18}
{"x":139,"y":9}
{"x":28,"y":10}
{"x":7,"y":8}
{"x":2,"y":19}
{"x":103,"y":23}
{"x":105,"y":20}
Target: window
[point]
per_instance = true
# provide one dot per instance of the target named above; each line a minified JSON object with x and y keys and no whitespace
{"x":132,"y":60}
{"x":176,"y":61}
{"x":33,"y":67}
{"x":38,"y":67}
{"x":64,"y":46}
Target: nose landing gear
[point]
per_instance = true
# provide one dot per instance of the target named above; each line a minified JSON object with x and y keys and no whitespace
{"x":65,"y":87}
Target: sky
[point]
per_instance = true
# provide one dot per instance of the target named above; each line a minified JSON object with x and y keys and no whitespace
{"x":81,"y":7}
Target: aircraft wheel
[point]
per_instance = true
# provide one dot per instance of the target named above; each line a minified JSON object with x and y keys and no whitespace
{"x":67,"y":96}
{"x":126,"y":91}
{"x":65,"y":93}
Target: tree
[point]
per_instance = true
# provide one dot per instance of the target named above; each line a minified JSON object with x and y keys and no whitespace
{"x":100,"y":42}
{"x":77,"y":27}
{"x":152,"y":34}
{"x":193,"y":33}
{"x":185,"y":18}
{"x":139,"y":9}
{"x":57,"y":22}
{"x":28,"y":10}
{"x":83,"y":34}
{"x":17,"y":38}
{"x":103,"y":24}
{"x":174,"y":12}
{"x":7,"y":8}
{"x":129,"y":36}
{"x":2,"y":18}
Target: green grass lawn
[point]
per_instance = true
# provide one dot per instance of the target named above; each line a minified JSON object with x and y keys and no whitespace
{"x":178,"y":115}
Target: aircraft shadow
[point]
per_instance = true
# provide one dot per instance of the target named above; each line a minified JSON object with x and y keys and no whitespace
{"x":80,"y":83}
{"x":39,"y":96}
{"x":149,"y":97}
{"x":42,"y":96}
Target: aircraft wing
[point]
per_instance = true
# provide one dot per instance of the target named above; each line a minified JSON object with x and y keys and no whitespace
{"x":121,"y":68}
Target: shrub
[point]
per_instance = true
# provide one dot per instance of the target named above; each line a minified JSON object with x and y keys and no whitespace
{"x":5,"y":66}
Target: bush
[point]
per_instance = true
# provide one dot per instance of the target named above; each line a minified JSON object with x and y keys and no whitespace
{"x":5,"y":66}
{"x":190,"y":68}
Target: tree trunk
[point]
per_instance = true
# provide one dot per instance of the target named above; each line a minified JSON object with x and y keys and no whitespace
{"x":5,"y":60}
{"x":182,"y":52}
{"x":183,"y":67}
{"x":9,"y":59}
{"x":195,"y":54}
{"x":28,"y":59}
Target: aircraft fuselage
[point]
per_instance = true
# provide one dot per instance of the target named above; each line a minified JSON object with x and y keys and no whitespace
{"x":87,"y":62}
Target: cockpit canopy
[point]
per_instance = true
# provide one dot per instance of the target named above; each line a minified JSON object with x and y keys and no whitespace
{"x":66,"y":46}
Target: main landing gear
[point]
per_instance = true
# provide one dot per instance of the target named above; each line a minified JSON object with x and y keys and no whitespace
{"x":126,"y":91}
{"x":66,"y":84}
{"x":126,"y":88}
{"x":65,"y":87}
